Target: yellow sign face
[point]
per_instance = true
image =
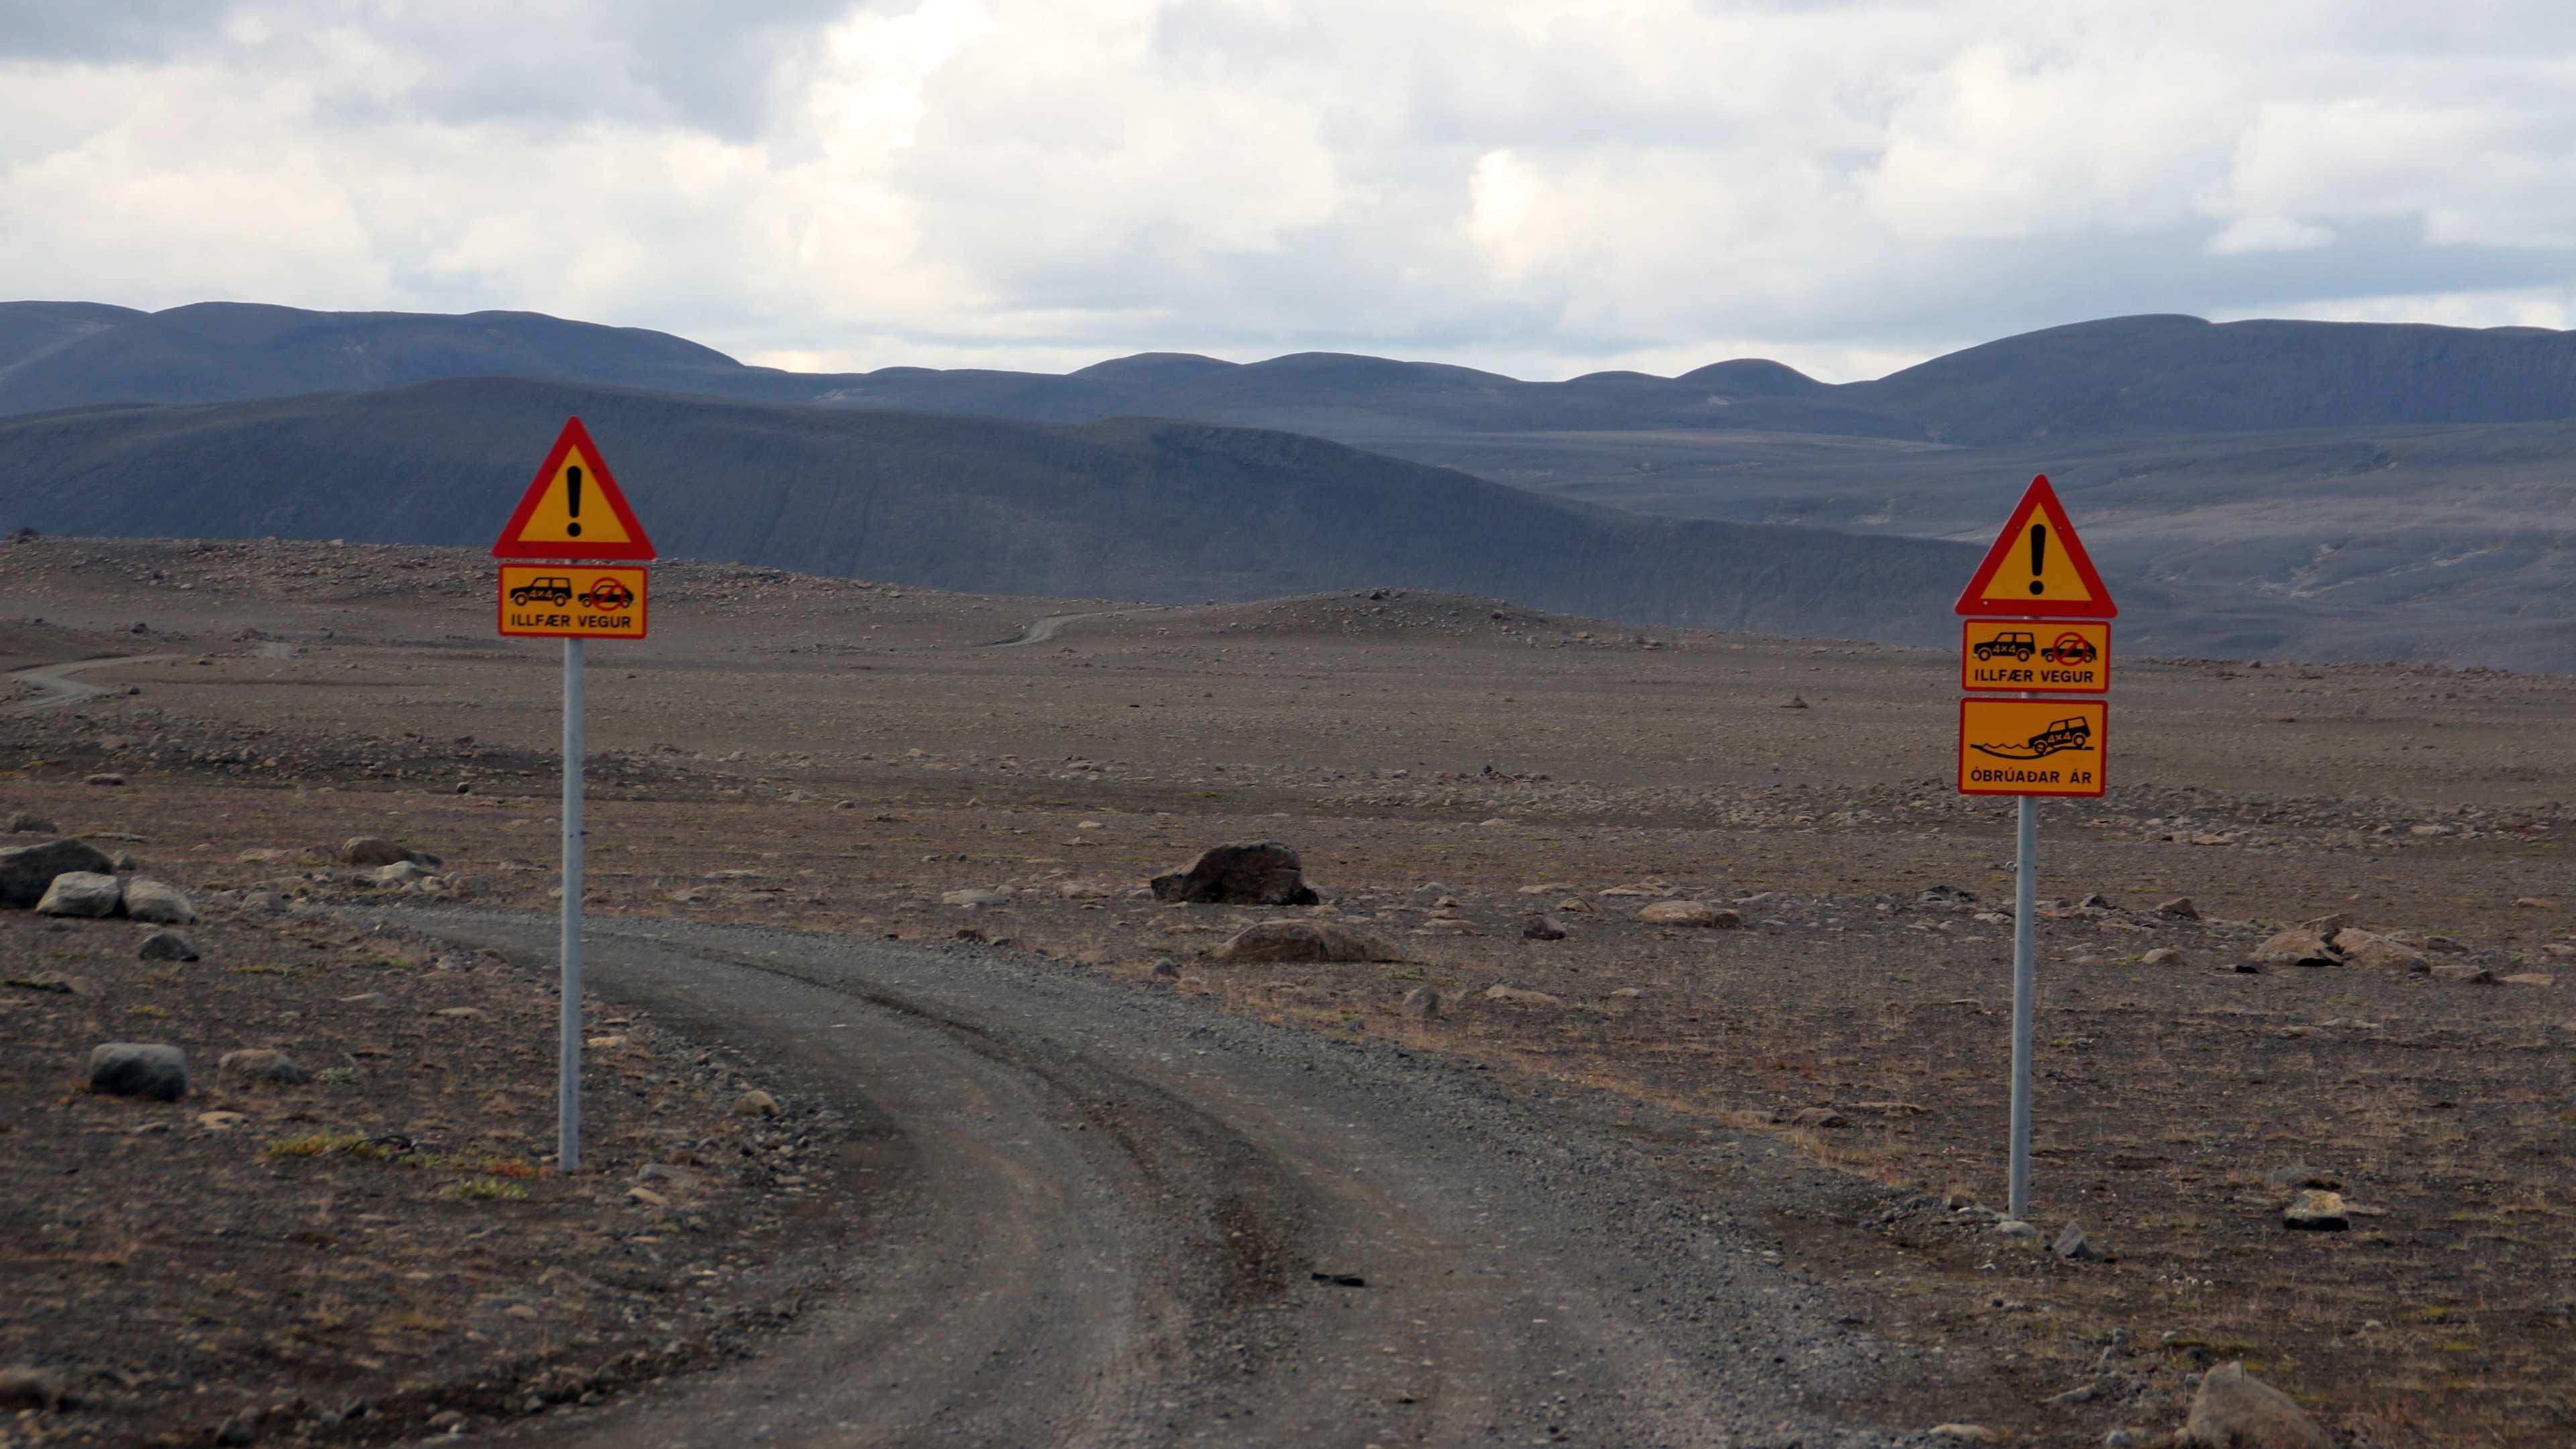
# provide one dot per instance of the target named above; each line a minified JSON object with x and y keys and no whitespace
{"x":2033,"y":746}
{"x":572,"y":601}
{"x":2034,"y":656}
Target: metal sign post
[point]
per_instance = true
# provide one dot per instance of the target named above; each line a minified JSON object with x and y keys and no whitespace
{"x":556,"y":600}
{"x":2033,"y":745}
{"x":2025,"y":974}
{"x":568,"y":947}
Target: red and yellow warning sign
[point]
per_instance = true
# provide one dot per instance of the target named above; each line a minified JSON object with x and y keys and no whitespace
{"x":2027,"y":656}
{"x":2038,"y":568}
{"x":572,"y":601}
{"x":2033,"y":746}
{"x":573,"y":509}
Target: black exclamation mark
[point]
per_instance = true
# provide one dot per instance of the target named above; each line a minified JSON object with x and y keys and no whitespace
{"x":572,"y":505}
{"x":2038,"y":552}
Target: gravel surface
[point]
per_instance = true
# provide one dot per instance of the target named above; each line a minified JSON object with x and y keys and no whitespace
{"x":1097,"y":1215}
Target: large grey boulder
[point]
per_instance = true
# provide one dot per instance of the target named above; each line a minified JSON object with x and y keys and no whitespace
{"x":1260,"y":873}
{"x":139,"y":1069}
{"x":82,"y":893}
{"x":159,"y":902}
{"x":26,"y":870}
{"x":2235,"y":1410}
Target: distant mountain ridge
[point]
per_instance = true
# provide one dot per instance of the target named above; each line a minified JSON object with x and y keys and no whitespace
{"x":2118,"y":377}
{"x":1130,"y":508}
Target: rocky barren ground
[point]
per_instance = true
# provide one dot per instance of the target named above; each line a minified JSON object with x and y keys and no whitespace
{"x":836,"y":757}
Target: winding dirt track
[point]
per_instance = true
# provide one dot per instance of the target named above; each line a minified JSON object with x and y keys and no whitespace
{"x":60,"y":688}
{"x":1092,"y":1215}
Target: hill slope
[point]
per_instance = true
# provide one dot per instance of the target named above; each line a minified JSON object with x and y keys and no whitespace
{"x":1124,"y":509}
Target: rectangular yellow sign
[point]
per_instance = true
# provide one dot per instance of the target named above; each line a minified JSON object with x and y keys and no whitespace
{"x":572,"y":601}
{"x":2031,"y":656}
{"x":2033,"y":746}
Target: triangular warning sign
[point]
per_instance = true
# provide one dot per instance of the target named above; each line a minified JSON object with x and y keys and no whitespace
{"x":2038,"y":568}
{"x":574,"y":508}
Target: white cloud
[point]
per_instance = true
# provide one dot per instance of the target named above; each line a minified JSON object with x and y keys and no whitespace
{"x":1547,"y":187}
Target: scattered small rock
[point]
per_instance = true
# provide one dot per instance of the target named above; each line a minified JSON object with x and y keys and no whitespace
{"x":1422,"y":1003}
{"x":755,"y":1103}
{"x":1544,"y":928}
{"x":2074,"y":1246}
{"x":2166,"y":956}
{"x":1520,"y":996}
{"x":2180,"y":908}
{"x":375,"y":850}
{"x":400,"y":872}
{"x":139,"y":1069}
{"x":2378,"y":952}
{"x":2297,"y":946}
{"x":23,"y":823}
{"x":1819,"y":1117}
{"x":2235,"y":1410}
{"x":158,"y":902}
{"x":1965,"y":1433}
{"x":2464,"y":972}
{"x":976,"y":896}
{"x":1304,"y":941}
{"x":1690,"y":913}
{"x":25,"y":1386}
{"x":2316,"y":1210}
{"x":82,"y":893}
{"x":263,"y":1064}
{"x":2015,"y":1228}
{"x":2531,"y":978}
{"x":108,"y":778}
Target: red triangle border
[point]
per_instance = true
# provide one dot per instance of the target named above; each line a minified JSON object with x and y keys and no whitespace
{"x":2038,"y":498}
{"x":638,"y":546}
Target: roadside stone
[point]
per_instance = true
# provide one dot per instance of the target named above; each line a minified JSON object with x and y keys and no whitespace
{"x":2378,"y":952}
{"x":82,"y":893}
{"x":1690,"y":913}
{"x":158,"y":902}
{"x":1259,"y":873}
{"x":55,"y":981}
{"x":2298,"y":946}
{"x":107,"y":778}
{"x":976,"y":896}
{"x":755,"y":1103}
{"x":2531,"y":978}
{"x":2016,"y":1229}
{"x":263,"y":1064}
{"x":2074,"y":1246}
{"x":23,"y":823}
{"x":1823,"y":1117}
{"x":139,"y":1069}
{"x":27,"y":870}
{"x":1965,"y":1433}
{"x":2316,"y":1210}
{"x":1423,"y":1003}
{"x":2535,"y":903}
{"x":1520,"y":996}
{"x":400,"y":872}
{"x":2463,"y":972}
{"x":25,"y":1386}
{"x":646,"y":1197}
{"x":166,"y":947}
{"x":375,"y":850}
{"x":1303,"y":941}
{"x":2165,"y":956}
{"x":1544,"y":928}
{"x":2180,"y":908}
{"x":2235,"y":1410}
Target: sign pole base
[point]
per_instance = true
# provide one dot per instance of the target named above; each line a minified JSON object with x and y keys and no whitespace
{"x":2025,"y":943}
{"x":568,"y":948}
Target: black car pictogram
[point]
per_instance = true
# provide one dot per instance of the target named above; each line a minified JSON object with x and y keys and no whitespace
{"x":2070,"y":649}
{"x":2016,"y":643}
{"x":543,"y":591}
{"x":607,"y":593}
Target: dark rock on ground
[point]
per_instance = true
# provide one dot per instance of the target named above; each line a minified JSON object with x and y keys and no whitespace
{"x":1266,"y":873}
{"x":1544,"y":928}
{"x":83,"y":893}
{"x":26,"y":870}
{"x":167,"y":946}
{"x":263,"y":1064}
{"x":139,"y":1069}
{"x":376,"y":850}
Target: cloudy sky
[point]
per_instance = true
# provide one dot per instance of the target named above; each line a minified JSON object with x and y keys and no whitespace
{"x":1542,"y":187}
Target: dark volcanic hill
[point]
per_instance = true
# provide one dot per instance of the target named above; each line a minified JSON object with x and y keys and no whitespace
{"x":1131,"y":509}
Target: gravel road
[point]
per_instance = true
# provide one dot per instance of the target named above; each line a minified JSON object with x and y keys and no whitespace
{"x":1094,"y":1215}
